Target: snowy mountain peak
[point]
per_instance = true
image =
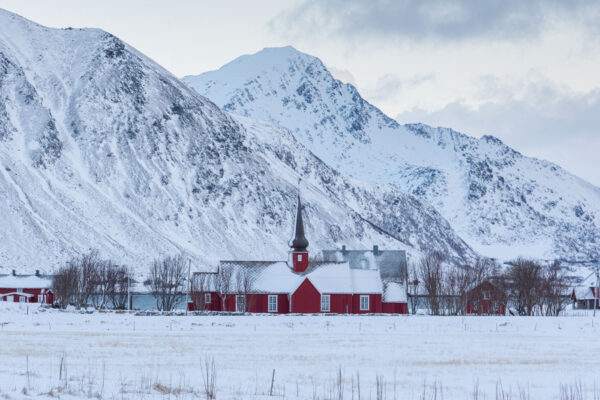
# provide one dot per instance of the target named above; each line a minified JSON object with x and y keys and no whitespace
{"x":100,"y":147}
{"x":503,"y":203}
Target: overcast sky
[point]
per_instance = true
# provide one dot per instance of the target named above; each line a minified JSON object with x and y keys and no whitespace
{"x":527,"y":72}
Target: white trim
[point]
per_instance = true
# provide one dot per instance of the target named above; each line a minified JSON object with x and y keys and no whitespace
{"x":271,"y":297}
{"x":328,"y":303}
{"x":207,"y":298}
{"x":237,"y":303}
{"x":363,"y":297}
{"x":299,"y":257}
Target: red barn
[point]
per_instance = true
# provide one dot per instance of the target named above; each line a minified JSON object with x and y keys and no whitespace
{"x":297,"y":285}
{"x":486,"y":299}
{"x":26,"y":288}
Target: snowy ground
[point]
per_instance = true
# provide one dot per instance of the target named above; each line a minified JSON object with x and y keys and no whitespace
{"x":119,"y":356}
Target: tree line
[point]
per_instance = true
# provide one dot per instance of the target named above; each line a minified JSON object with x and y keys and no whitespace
{"x":91,"y":281}
{"x":531,"y":288}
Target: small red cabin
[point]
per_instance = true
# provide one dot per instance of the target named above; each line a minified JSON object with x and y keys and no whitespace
{"x":486,"y":299}
{"x":26,"y":288}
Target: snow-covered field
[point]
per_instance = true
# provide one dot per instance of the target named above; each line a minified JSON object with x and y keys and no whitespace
{"x":118,"y":356}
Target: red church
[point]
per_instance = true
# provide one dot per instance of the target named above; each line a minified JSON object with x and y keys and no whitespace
{"x":301,"y":285}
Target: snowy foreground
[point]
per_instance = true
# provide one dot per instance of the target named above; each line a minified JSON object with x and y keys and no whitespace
{"x":70,"y":355}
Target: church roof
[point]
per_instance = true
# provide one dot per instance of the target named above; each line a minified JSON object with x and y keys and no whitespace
{"x":391,"y":264}
{"x":278,"y":277}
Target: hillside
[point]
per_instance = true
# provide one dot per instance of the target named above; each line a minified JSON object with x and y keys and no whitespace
{"x":100,"y":147}
{"x":501,"y":202}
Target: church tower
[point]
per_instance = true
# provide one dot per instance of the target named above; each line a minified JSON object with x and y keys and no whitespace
{"x":299,"y":243}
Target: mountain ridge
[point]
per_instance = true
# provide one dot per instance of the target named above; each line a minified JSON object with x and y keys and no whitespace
{"x":503,"y":203}
{"x":101,"y":147}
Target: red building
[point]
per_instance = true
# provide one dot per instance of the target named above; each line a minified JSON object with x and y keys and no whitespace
{"x":486,"y":299}
{"x":297,"y":285}
{"x":26,"y":288}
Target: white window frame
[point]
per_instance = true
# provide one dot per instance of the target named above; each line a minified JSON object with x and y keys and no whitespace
{"x":327,"y":303}
{"x":237,"y":303}
{"x":207,"y":298}
{"x":486,"y":295}
{"x":20,"y":290}
{"x":299,"y":257}
{"x":22,"y":299}
{"x":272,"y":305}
{"x":368,"y":301}
{"x":40,"y":298}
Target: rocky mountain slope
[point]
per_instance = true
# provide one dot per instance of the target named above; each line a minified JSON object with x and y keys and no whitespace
{"x":100,"y":147}
{"x":502,"y":203}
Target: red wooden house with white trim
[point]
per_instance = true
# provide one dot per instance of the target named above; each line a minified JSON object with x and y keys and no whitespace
{"x":486,"y":299}
{"x":26,"y":288}
{"x":297,"y":285}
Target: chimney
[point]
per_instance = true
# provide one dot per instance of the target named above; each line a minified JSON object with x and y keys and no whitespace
{"x":14,"y":272}
{"x":376,"y":250}
{"x":37,"y":272}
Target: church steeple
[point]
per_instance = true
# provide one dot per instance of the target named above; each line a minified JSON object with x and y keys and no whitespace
{"x":299,"y":243}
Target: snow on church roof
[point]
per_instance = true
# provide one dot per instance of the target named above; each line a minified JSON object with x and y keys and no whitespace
{"x":326,"y":277}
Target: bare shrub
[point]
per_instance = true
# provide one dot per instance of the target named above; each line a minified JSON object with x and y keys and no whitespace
{"x":66,"y":284}
{"x":119,"y":279}
{"x":209,"y":378}
{"x":244,"y":286}
{"x":201,"y":284}
{"x":223,"y":283}
{"x":431,"y":274}
{"x":167,"y":281}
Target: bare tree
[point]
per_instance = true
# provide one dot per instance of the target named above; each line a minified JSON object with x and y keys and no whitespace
{"x":89,"y":265}
{"x":119,"y":279}
{"x":413,"y":287}
{"x":524,"y":278}
{"x":66,"y":284}
{"x":166,"y":281}
{"x":244,"y":286}
{"x":223,"y":283}
{"x":202,"y":283}
{"x":554,"y":286}
{"x":431,"y":274}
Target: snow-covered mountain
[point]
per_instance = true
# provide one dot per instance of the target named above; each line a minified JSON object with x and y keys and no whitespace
{"x":100,"y":147}
{"x":502,"y":203}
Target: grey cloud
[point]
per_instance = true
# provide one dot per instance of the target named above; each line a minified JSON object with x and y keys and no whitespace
{"x":565,"y":129}
{"x":389,"y":86}
{"x":342,"y":74}
{"x":439,"y":19}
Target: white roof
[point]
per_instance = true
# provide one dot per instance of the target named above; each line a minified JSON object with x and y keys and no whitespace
{"x":275,"y":278}
{"x":331,"y":278}
{"x":278,"y":277}
{"x":366,"y":281}
{"x":584,"y":293}
{"x":25,"y":282}
{"x":394,"y":293}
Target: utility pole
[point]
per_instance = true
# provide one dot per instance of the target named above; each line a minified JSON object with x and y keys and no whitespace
{"x":128,"y":292}
{"x":187,"y":297}
{"x":597,"y":288}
